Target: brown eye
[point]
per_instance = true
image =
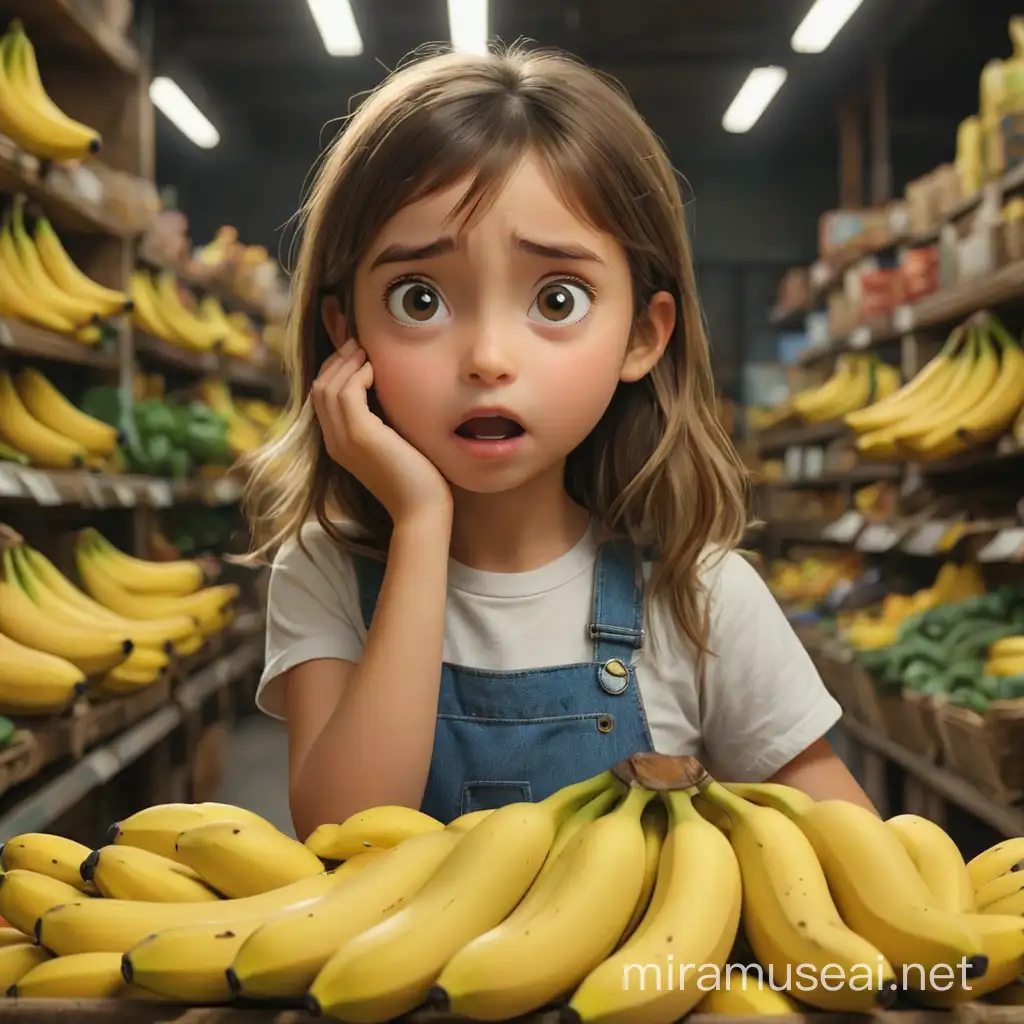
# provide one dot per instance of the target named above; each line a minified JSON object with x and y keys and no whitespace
{"x":562,"y":302}
{"x":414,"y":302}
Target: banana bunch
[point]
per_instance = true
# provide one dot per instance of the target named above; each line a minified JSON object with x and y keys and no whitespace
{"x":857,"y":381}
{"x":27,"y":113}
{"x":969,"y":394}
{"x":160,"y":311}
{"x":244,"y":434}
{"x":236,"y":330}
{"x":1006,"y":657}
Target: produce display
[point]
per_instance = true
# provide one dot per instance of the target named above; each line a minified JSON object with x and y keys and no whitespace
{"x":40,"y":284}
{"x":812,"y":579}
{"x":503,"y":912}
{"x":114,"y":634}
{"x":27,"y":113}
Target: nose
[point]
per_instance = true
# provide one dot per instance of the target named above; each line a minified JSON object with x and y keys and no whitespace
{"x":488,"y":357}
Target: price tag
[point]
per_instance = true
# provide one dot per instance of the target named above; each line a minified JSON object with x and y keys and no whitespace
{"x":40,"y":486}
{"x":845,"y":528}
{"x":814,"y":462}
{"x":878,"y":538}
{"x":912,"y":481}
{"x":10,"y":486}
{"x":160,"y":494}
{"x":1006,"y":546}
{"x":94,"y":492}
{"x":903,"y":319}
{"x":860,"y":337}
{"x":125,"y":494}
{"x":926,"y":540}
{"x":6,"y":337}
{"x":793,"y":463}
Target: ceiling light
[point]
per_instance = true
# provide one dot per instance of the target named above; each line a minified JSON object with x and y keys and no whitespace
{"x":754,"y":96}
{"x":467,"y":25}
{"x":337,"y":27}
{"x":168,"y":97}
{"x":822,"y":24}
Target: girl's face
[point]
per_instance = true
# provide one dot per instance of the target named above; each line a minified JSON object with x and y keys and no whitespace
{"x":495,"y":351}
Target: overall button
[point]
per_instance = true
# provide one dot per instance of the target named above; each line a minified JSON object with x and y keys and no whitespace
{"x":613,"y":676}
{"x":605,"y":723}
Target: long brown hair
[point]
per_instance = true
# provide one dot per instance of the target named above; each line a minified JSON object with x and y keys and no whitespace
{"x":658,"y":469}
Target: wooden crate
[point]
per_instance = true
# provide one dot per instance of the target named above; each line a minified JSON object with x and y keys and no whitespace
{"x":917,"y":727}
{"x":988,"y":749}
{"x":836,"y":670}
{"x":878,"y":710}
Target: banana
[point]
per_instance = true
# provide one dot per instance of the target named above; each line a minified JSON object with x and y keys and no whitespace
{"x":25,"y":895}
{"x":468,"y":821}
{"x":189,"y":328}
{"x":53,"y":410}
{"x":1008,"y":647}
{"x":16,"y":302}
{"x":33,"y":681}
{"x":81,"y":976}
{"x":282,"y":957}
{"x":749,"y":998}
{"x":698,"y":883}
{"x":245,"y":859}
{"x":654,"y":823}
{"x":589,"y":812}
{"x":192,"y":963}
{"x":17,"y":961}
{"x":376,"y":828}
{"x":567,"y":923}
{"x":63,"y":272}
{"x":146,"y":309}
{"x":91,"y":651}
{"x":130,"y":873}
{"x":811,"y":403}
{"x":102,"y":587}
{"x":157,"y":828}
{"x":176,"y":633}
{"x":937,"y":859}
{"x":388,"y":969}
{"x":790,"y":918}
{"x":20,"y":429}
{"x":54,"y":856}
{"x":996,"y":861}
{"x":139,"y":576}
{"x":116,"y":926}
{"x":236,"y":343}
{"x":11,"y":937}
{"x":1012,"y":904}
{"x":998,"y":889}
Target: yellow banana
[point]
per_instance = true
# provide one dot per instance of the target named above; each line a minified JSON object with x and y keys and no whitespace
{"x":698,"y":883}
{"x":749,"y":997}
{"x":999,"y":888}
{"x":17,"y":961}
{"x":588,"y":813}
{"x":11,"y":937}
{"x":129,"y":873}
{"x":567,"y":923}
{"x":468,"y":821}
{"x":654,"y":823}
{"x":16,"y":302}
{"x":1008,"y":647}
{"x":937,"y":859}
{"x":282,"y":957}
{"x":53,"y":410}
{"x":139,"y":576}
{"x":157,"y":828}
{"x":388,"y":970}
{"x":1012,"y":904}
{"x":54,"y":856}
{"x":21,"y":430}
{"x":68,"y":277}
{"x":33,"y":681}
{"x":81,"y":976}
{"x":245,"y":859}
{"x":25,"y":895}
{"x":996,"y":861}
{"x":376,"y":828}
{"x":188,"y":327}
{"x":146,"y":311}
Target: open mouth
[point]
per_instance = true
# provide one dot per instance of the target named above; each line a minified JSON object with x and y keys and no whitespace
{"x":490,"y":428}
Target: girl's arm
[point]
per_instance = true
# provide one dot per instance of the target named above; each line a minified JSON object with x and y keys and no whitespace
{"x":361,"y":735}
{"x":821,"y":774}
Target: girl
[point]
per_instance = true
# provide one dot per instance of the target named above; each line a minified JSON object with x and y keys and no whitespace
{"x":503,"y":513}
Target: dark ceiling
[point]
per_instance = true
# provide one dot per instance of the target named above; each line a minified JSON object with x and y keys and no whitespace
{"x":259,"y":70}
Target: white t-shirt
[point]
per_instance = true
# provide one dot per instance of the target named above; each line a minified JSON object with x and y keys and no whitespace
{"x":762,"y":702}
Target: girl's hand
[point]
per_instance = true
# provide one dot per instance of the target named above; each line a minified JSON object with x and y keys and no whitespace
{"x":402,"y":479}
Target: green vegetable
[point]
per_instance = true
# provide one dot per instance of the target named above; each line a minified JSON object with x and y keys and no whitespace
{"x":970,"y":699}
{"x":7,"y":731}
{"x":1010,"y":687}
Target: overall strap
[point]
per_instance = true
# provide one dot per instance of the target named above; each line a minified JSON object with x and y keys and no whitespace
{"x":369,"y":576}
{"x":617,"y":626}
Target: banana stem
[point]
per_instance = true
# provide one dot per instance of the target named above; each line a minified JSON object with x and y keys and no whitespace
{"x":637,"y":798}
{"x":721,"y":797}
{"x":570,"y":798}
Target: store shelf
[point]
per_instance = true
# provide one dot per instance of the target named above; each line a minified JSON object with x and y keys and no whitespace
{"x":790,"y":435}
{"x":951,"y":787}
{"x":867,"y":473}
{"x":101,"y":764}
{"x":229,"y":299}
{"x":26,"y":340}
{"x":73,"y":28}
{"x":156,"y":351}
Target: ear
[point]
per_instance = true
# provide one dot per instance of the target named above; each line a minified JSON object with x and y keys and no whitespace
{"x":650,"y":338}
{"x":334,"y":320}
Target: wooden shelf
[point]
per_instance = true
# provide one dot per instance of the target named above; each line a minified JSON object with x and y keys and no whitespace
{"x":229,"y":299}
{"x":158,"y":351}
{"x":789,"y":435}
{"x":72,"y":28}
{"x":27,"y":340}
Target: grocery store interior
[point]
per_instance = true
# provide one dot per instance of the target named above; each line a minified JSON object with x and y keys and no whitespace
{"x":854,"y":180}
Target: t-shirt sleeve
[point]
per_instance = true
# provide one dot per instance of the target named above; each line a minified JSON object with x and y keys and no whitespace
{"x":764,"y":701}
{"x":312,"y":612}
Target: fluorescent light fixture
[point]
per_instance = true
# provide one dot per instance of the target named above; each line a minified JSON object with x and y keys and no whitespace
{"x":822,"y":24}
{"x":754,"y":96}
{"x":467,"y":24}
{"x":337,"y":27}
{"x":168,"y":97}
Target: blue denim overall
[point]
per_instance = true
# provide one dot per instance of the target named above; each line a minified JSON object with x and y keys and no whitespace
{"x":503,"y":737}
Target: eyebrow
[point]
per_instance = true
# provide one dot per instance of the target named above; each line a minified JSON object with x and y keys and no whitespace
{"x":399,"y":253}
